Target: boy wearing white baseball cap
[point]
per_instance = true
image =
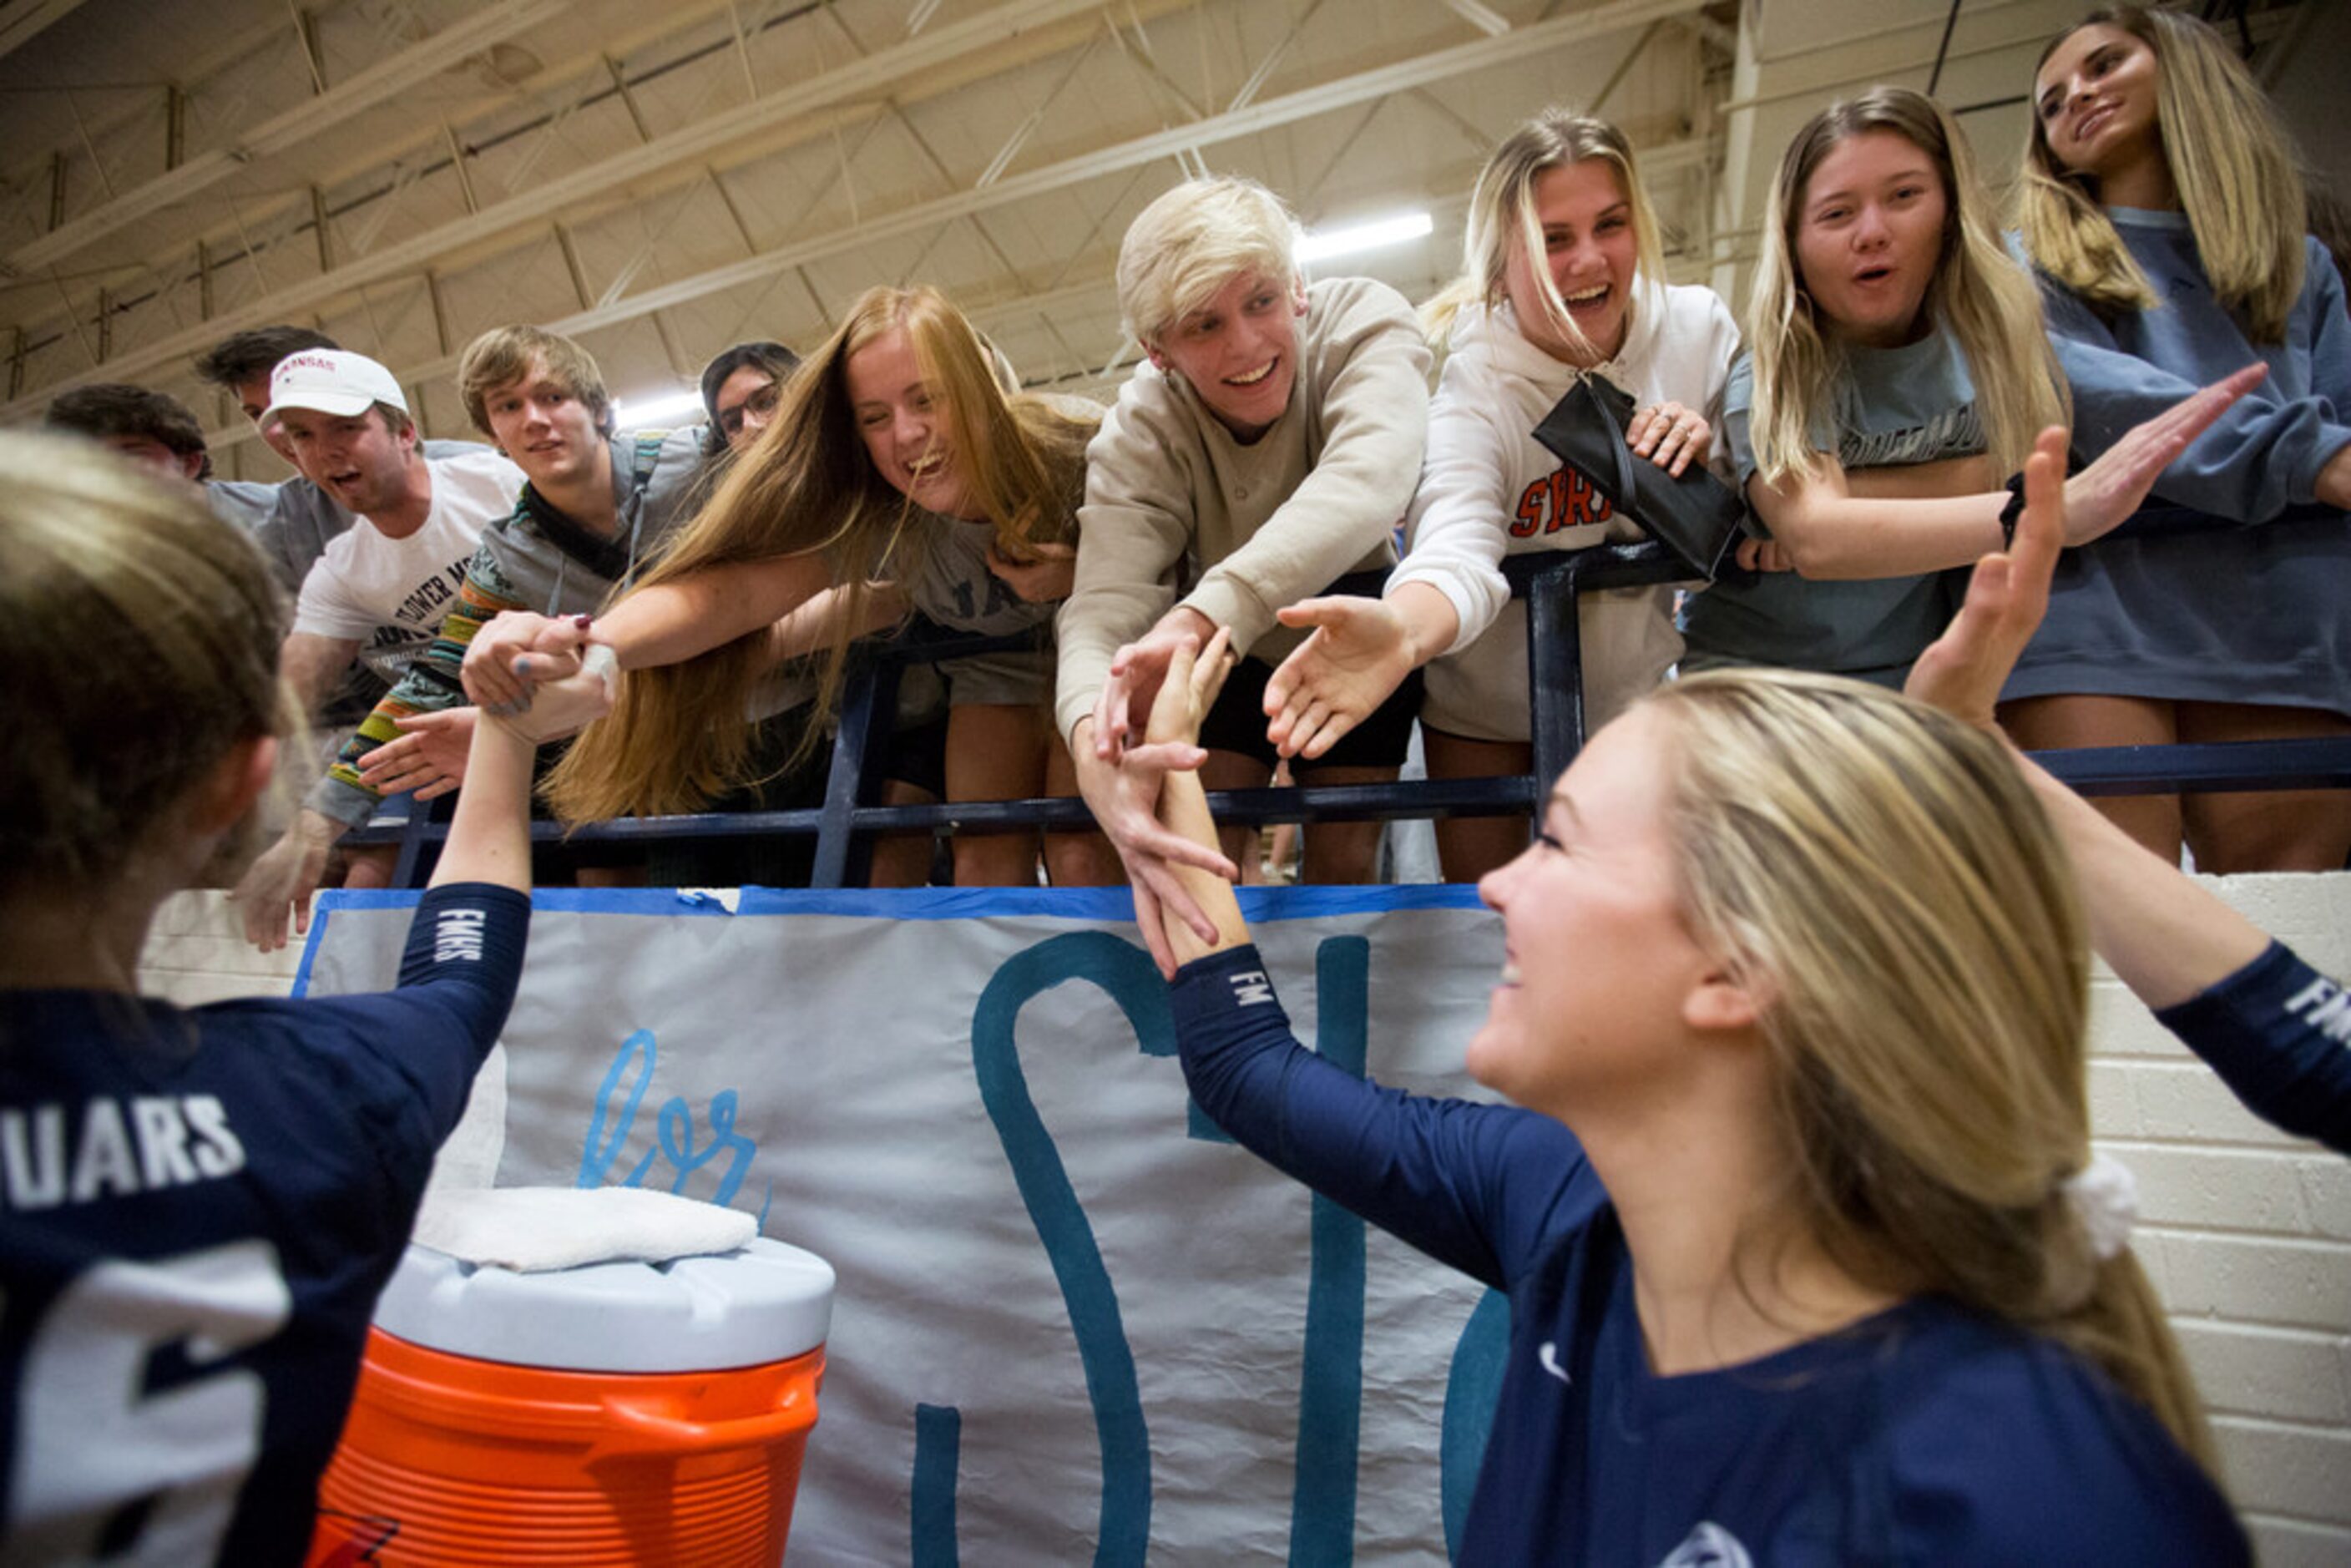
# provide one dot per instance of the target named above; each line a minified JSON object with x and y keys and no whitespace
{"x":331,"y":381}
{"x":380,"y":589}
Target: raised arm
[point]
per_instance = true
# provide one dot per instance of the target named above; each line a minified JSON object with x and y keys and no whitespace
{"x":1170,"y":870}
{"x":1480,"y":1188}
{"x":2273,"y":1029}
{"x":1185,"y":698}
{"x":489,"y":836}
{"x":1831,"y":532}
{"x":465,"y":951}
{"x":659,"y":624}
{"x":2165,"y":935}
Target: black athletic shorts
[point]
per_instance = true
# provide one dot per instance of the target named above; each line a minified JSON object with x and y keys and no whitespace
{"x":1238,"y":721}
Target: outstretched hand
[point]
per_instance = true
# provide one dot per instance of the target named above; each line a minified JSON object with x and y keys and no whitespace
{"x":561,"y":703}
{"x":427,"y":758}
{"x":1357,"y":655}
{"x":2102,"y":495}
{"x":1962,"y":670}
{"x":277,"y":887}
{"x":1193,"y":680}
{"x":1123,"y":795}
{"x":2166,"y":937}
{"x":1136,"y":670}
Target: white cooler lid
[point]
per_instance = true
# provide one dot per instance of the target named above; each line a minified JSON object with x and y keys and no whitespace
{"x":765,"y":1301}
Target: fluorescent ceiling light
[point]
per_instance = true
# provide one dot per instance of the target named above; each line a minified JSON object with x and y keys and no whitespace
{"x":658,"y":409}
{"x":1363,"y":236}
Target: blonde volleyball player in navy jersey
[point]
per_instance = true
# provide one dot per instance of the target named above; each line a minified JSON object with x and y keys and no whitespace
{"x":1807,"y":1257}
{"x":198,"y":1206}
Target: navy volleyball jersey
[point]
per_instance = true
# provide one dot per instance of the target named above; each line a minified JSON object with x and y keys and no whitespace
{"x":1925,"y":1433}
{"x":197,"y":1211}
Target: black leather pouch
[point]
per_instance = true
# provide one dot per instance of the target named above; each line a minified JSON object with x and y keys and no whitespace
{"x":1698,"y":517}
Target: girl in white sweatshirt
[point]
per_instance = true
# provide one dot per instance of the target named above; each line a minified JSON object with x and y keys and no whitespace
{"x":1561,"y":278}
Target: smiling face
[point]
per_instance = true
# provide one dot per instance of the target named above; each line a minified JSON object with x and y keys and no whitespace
{"x":2094,"y":98}
{"x":902,"y":417}
{"x":1869,"y":234}
{"x":746,"y":403}
{"x":359,"y":459}
{"x":1599,"y":960}
{"x":1589,"y":249}
{"x":550,"y":434}
{"x":1239,"y":350}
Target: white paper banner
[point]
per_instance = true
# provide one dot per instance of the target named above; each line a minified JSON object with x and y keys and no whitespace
{"x":1073,"y":1322}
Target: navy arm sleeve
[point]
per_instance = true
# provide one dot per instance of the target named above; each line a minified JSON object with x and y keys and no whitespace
{"x":463,"y":960}
{"x":2276,"y":1031}
{"x":412,"y":1052}
{"x":1484,"y":1188}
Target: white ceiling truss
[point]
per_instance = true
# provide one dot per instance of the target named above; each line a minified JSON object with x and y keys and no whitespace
{"x":659,"y":182}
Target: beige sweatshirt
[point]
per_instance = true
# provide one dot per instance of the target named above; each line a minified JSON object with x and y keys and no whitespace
{"x":1175,"y":505}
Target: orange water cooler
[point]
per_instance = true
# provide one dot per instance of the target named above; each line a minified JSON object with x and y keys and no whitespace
{"x":619,"y":1413}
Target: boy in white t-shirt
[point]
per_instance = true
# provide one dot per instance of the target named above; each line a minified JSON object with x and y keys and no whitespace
{"x":380,"y":589}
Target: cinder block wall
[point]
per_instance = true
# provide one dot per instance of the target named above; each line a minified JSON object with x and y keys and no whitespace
{"x":2246,"y":1232}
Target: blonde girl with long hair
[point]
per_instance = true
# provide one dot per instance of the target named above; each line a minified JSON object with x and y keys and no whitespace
{"x":2162,"y":206}
{"x":897,"y":475}
{"x":1895,"y":374}
{"x":282,"y":1145}
{"x":1808,"y":1256}
{"x":1562,"y":277}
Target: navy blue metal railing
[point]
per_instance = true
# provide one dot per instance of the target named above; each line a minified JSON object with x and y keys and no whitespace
{"x":845,"y":824}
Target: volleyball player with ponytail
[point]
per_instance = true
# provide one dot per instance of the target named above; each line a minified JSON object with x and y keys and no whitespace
{"x":1808,"y":1256}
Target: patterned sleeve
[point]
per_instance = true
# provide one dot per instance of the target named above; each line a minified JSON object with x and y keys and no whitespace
{"x":431,"y":686}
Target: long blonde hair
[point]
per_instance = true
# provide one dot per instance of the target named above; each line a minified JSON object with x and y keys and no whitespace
{"x":1503,"y":221}
{"x":1982,"y":299}
{"x":140,"y":636}
{"x":677,"y":736}
{"x":1880,"y":872}
{"x":2231,"y":161}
